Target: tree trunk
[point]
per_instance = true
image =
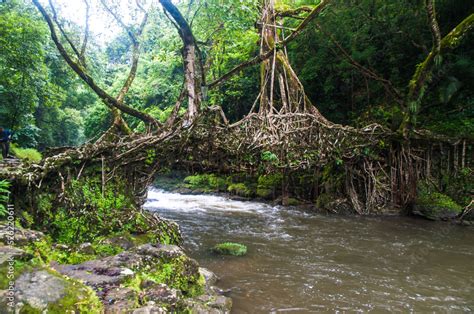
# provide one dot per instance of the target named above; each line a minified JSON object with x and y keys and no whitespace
{"x":192,"y":83}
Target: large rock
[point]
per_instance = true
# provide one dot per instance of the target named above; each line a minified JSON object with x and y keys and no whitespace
{"x":20,"y":236}
{"x":150,"y":309}
{"x":10,"y":254}
{"x":98,"y":274}
{"x":40,"y":290}
{"x":209,"y":276}
{"x":210,"y":303}
{"x":121,"y":284}
{"x":436,"y":206}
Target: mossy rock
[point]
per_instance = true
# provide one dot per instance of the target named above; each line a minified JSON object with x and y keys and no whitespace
{"x":230,"y":248}
{"x":205,"y":183}
{"x":44,"y":291}
{"x":293,"y":202}
{"x":268,"y":184}
{"x":324,"y":200}
{"x":264,"y":193}
{"x":436,"y":206}
{"x":239,"y":189}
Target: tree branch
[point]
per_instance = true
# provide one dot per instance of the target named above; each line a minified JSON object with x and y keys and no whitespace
{"x":106,"y":98}
{"x":189,"y":57}
{"x":293,"y":13}
{"x":430,"y":8}
{"x":423,"y":71}
{"x":422,"y":74}
{"x":135,"y":46}
{"x":63,"y":32}
{"x":86,"y":34}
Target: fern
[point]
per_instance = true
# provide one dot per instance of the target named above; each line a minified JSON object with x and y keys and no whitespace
{"x":4,"y":197}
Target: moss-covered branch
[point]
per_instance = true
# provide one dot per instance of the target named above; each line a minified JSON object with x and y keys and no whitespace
{"x":424,"y":70}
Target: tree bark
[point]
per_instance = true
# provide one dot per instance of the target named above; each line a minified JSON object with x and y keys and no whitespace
{"x":189,"y":59}
{"x":119,"y":123}
{"x":422,"y":75}
{"x":292,"y":97}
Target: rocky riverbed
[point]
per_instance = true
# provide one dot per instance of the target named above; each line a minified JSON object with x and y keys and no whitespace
{"x":144,"y":278}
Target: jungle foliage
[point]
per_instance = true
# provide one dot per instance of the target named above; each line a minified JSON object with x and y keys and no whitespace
{"x":47,"y":105}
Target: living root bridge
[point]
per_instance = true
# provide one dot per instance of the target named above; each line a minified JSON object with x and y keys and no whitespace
{"x":370,"y":168}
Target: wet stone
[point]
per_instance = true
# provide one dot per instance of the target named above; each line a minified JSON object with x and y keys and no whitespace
{"x":9,"y":254}
{"x":39,"y":288}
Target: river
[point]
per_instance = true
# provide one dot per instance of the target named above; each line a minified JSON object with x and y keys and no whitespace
{"x":302,"y":262}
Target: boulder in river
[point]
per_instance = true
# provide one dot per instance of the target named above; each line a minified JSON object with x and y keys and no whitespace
{"x":230,"y":248}
{"x":436,"y":206}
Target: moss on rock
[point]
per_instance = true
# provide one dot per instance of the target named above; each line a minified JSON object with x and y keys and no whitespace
{"x":206,"y":182}
{"x":268,"y":185}
{"x":41,"y":290}
{"x":230,"y":248}
{"x":435,"y":205}
{"x":239,"y":189}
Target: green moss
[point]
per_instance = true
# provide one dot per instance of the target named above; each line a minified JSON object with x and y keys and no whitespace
{"x":293,"y":202}
{"x":180,"y":273}
{"x":270,"y":180}
{"x":438,"y":200}
{"x":323,"y":200}
{"x":435,"y":205}
{"x":106,"y":249}
{"x":177,"y":274}
{"x":264,"y":193}
{"x":205,"y":182}
{"x":45,"y":252}
{"x":268,"y":185}
{"x":28,"y":309}
{"x":18,"y":268}
{"x":79,"y":298}
{"x":230,"y":248}
{"x":239,"y":189}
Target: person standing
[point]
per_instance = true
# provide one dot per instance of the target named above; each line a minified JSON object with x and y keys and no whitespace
{"x":5,"y":138}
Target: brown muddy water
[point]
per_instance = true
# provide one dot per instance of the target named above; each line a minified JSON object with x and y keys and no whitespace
{"x":302,"y":262}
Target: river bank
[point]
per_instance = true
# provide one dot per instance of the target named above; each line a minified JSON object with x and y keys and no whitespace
{"x":119,"y":274}
{"x":268,"y":189}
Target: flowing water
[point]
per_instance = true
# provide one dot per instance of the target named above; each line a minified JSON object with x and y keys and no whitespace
{"x":302,"y":262}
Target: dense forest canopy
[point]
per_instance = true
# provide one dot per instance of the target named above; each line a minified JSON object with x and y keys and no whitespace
{"x":355,"y":61}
